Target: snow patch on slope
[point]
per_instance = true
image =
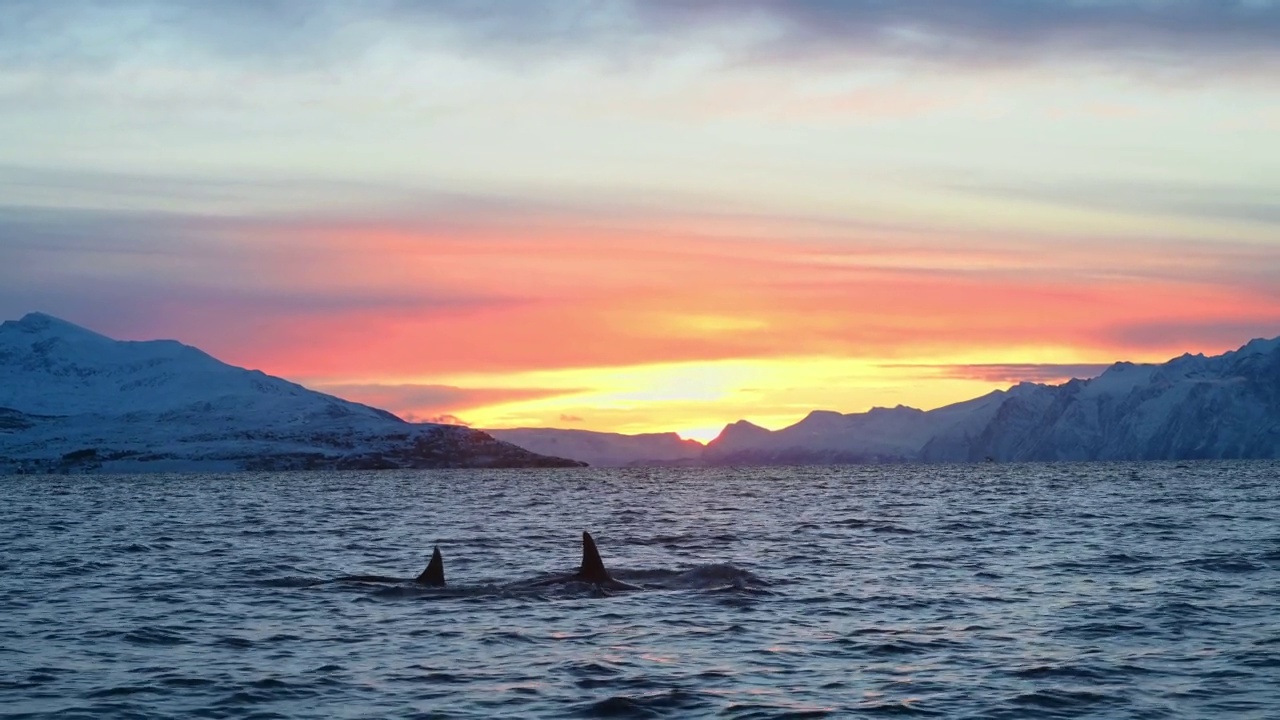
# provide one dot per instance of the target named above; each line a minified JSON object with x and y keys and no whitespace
{"x":73,"y":399}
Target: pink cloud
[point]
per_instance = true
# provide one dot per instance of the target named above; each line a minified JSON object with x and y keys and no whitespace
{"x":432,"y":403}
{"x":558,"y":290}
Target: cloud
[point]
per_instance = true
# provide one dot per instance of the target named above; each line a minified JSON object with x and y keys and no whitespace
{"x":570,"y":418}
{"x":145,"y":273}
{"x":1238,"y":202}
{"x":1014,"y":373}
{"x":433,"y":403}
{"x":457,"y":290}
{"x":1001,"y":31}
{"x":1190,"y":335}
{"x":437,"y":419}
{"x":1149,"y":35}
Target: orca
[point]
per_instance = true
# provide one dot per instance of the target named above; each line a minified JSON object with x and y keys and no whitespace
{"x":591,"y":571}
{"x":433,"y":576}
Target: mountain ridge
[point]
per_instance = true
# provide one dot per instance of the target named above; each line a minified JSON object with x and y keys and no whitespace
{"x":72,"y":399}
{"x":1191,"y":406}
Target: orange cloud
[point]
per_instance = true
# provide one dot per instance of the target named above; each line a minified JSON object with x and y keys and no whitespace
{"x":434,"y":403}
{"x":640,"y":323}
{"x":558,"y":294}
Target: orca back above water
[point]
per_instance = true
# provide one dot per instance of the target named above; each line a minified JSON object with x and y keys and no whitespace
{"x":590,"y":571}
{"x":433,"y":576}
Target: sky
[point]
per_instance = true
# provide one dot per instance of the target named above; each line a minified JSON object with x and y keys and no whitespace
{"x":644,"y":216}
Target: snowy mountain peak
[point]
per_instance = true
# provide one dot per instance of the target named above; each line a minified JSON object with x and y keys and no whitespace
{"x":601,"y":449}
{"x":69,"y":345}
{"x":819,"y":417}
{"x":74,"y":399}
{"x":740,"y":431}
{"x":1260,"y":346}
{"x":899,"y":409}
{"x":1189,"y":407}
{"x":48,"y":326}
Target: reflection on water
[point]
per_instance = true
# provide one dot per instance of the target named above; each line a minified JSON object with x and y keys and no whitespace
{"x":1069,"y":590}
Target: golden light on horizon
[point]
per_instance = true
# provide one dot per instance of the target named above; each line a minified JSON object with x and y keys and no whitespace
{"x":697,"y":399}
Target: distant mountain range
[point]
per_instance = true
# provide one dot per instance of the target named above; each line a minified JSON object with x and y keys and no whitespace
{"x":607,"y":449}
{"x":72,"y":400}
{"x":1191,"y":407}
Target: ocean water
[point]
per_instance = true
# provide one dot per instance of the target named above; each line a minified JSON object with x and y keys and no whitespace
{"x":1143,"y":590}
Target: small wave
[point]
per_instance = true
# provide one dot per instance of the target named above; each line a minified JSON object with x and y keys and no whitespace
{"x":296,"y":581}
{"x":903,"y":647}
{"x":186,"y":682}
{"x":154,"y":636}
{"x":124,"y":690}
{"x":762,"y":711}
{"x":507,"y":637}
{"x":1059,"y":699}
{"x":1074,"y":672}
{"x":1100,"y":630}
{"x":894,"y":708}
{"x":238,"y":643}
{"x":959,"y":525}
{"x":1258,"y":659}
{"x":1122,"y":558}
{"x":649,"y":705}
{"x":703,"y":577}
{"x":893,"y":529}
{"x":592,"y":668}
{"x":1224,"y":564}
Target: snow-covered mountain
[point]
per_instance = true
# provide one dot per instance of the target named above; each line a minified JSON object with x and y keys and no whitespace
{"x":71,"y":399}
{"x":1227,"y":406}
{"x":74,"y":400}
{"x":1193,"y":406}
{"x":878,"y":435}
{"x":600,"y":449}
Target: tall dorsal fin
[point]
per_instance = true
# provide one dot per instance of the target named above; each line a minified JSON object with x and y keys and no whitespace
{"x":434,"y":574}
{"x":592,"y":569}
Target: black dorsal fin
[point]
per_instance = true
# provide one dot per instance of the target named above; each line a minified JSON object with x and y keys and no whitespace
{"x":592,"y":569}
{"x":434,"y":574}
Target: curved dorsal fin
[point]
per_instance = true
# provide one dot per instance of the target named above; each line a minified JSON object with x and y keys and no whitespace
{"x":434,"y":574}
{"x":592,"y":569}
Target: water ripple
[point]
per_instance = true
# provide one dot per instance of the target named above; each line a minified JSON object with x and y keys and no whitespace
{"x":986,"y":591}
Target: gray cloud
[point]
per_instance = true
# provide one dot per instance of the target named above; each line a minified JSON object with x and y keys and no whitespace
{"x":1224,"y":334}
{"x":1003,"y":30}
{"x":1240,"y":203}
{"x":124,"y":272}
{"x":1013,"y":372}
{"x":1147,"y":35}
{"x":429,"y":403}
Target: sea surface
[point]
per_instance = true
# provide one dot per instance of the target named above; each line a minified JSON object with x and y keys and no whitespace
{"x":1104,"y":590}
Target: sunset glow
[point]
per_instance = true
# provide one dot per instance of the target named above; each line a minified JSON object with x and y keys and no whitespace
{"x":651,"y":216}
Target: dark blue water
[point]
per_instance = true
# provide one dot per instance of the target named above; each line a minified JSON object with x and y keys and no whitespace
{"x":992,"y":591}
